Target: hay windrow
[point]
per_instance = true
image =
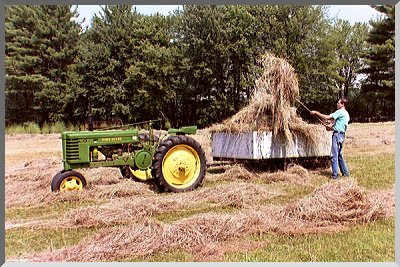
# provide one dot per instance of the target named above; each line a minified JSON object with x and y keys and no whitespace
{"x":384,"y":200}
{"x":144,"y":239}
{"x":338,"y":202}
{"x":125,"y":211}
{"x":331,"y":208}
{"x":128,"y":210}
{"x":295,"y":174}
{"x":29,"y":184}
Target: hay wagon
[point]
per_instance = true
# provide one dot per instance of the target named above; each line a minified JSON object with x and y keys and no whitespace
{"x":264,"y":150}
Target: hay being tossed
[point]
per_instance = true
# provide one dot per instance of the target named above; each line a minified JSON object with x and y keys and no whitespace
{"x":272,"y":105}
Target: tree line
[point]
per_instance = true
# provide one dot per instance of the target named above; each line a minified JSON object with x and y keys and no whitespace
{"x":197,"y":65}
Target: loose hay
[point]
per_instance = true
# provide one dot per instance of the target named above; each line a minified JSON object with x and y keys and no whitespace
{"x":124,"y":211}
{"x":384,"y":200}
{"x":341,"y":201}
{"x":29,"y":184}
{"x":213,"y":252}
{"x":330,"y":208}
{"x":271,"y":107}
{"x":144,"y":239}
{"x":294,"y":174}
{"x":128,"y":210}
{"x":234,"y":172}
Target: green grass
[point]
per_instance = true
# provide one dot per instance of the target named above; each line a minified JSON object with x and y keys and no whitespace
{"x":178,"y":255}
{"x":47,"y":128}
{"x":27,"y":241}
{"x":373,"y":242}
{"x":26,"y":128}
{"x":373,"y":172}
{"x":55,"y":127}
{"x":170,"y":217}
{"x":363,"y":243}
{"x":42,"y":211}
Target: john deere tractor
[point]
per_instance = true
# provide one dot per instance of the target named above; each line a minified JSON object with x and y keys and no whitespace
{"x":175,"y":161}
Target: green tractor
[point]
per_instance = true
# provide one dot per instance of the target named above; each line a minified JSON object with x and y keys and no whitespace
{"x":176,"y":162}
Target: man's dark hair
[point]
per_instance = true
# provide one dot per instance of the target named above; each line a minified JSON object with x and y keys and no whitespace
{"x":343,"y":101}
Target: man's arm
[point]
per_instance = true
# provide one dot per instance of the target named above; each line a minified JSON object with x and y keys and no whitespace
{"x":329,"y":120}
{"x":322,"y":116}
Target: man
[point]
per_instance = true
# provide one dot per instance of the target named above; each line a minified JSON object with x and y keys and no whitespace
{"x":341,"y":121}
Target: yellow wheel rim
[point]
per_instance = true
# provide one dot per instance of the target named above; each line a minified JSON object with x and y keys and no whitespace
{"x":181,"y":166}
{"x":142,"y":175}
{"x":71,"y":183}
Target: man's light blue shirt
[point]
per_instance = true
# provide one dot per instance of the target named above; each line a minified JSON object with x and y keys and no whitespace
{"x":342,"y":118}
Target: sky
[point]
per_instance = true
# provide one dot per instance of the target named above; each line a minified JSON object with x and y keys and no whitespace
{"x":352,"y":13}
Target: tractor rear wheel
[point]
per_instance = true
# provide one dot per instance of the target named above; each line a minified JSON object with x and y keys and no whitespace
{"x":68,"y":181}
{"x":179,"y":164}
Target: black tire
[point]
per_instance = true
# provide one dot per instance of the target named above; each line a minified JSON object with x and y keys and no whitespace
{"x":125,"y":173}
{"x":163,"y":170}
{"x":144,"y":137}
{"x":60,"y":181}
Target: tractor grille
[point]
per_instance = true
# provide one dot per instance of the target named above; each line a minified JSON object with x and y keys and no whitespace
{"x":72,"y":149}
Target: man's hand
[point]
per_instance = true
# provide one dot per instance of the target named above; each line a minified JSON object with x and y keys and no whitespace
{"x":329,"y":125}
{"x":320,"y":115}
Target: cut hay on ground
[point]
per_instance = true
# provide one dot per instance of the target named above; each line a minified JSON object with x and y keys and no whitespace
{"x":384,"y":200}
{"x":216,"y":251}
{"x":294,"y":174}
{"x":338,"y":202}
{"x":139,"y":209}
{"x":330,"y":208}
{"x":29,"y":184}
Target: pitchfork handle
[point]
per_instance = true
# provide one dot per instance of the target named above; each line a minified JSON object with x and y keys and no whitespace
{"x":310,"y":112}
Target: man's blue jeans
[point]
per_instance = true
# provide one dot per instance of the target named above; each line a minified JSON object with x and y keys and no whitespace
{"x":337,"y":155}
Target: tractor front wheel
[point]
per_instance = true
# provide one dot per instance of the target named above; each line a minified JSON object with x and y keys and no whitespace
{"x":68,"y":181}
{"x":179,"y":164}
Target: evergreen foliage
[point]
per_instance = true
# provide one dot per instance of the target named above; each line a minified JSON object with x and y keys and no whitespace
{"x":379,"y":89}
{"x":40,"y":56}
{"x":195,"y":66}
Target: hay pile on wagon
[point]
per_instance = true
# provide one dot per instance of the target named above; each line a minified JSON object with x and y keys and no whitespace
{"x":272,"y":106}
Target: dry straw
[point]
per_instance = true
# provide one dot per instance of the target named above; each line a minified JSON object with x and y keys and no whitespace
{"x":330,"y":208}
{"x":29,"y":184}
{"x":295,"y":174}
{"x":272,"y":106}
{"x":139,"y":209}
{"x":337,"y":202}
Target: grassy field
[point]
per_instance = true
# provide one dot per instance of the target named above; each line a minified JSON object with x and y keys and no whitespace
{"x":109,"y":218}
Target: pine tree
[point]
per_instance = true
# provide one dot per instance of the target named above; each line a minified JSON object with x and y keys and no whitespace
{"x":107,"y":49}
{"x":127,"y":65}
{"x":379,"y":88}
{"x":41,"y":48}
{"x":22,"y":59}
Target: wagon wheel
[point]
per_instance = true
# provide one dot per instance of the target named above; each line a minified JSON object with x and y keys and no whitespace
{"x":68,"y":181}
{"x":179,"y":164}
